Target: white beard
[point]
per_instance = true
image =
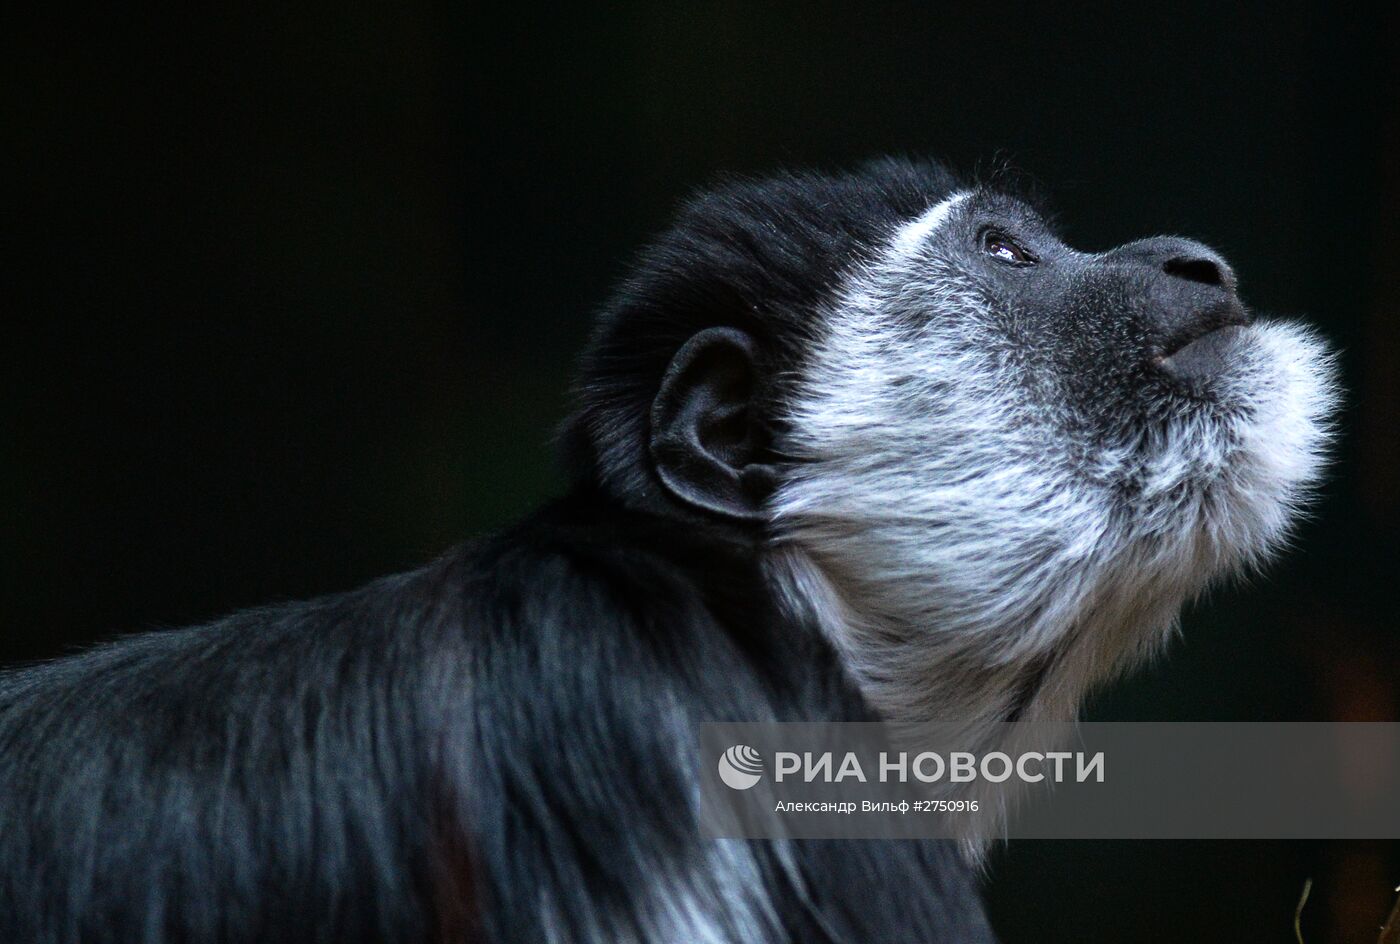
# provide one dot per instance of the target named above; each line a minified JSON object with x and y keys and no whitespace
{"x":972,"y":560}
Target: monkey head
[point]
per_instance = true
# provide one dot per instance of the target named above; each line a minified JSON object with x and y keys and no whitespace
{"x":990,"y":466}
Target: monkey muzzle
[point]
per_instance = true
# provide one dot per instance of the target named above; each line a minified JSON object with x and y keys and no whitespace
{"x":1194,"y":312}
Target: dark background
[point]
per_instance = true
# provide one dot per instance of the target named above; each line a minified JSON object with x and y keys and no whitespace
{"x":298,"y":289}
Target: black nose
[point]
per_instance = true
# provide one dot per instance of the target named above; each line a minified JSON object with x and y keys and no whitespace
{"x":1195,"y":266}
{"x":1189,"y":292}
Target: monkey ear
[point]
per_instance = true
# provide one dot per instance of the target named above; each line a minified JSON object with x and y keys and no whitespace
{"x":706,"y":442}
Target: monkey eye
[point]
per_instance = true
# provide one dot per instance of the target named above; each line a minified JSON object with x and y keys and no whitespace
{"x":1002,"y":247}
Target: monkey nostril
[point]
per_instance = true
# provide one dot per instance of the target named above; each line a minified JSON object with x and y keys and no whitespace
{"x":1196,"y":269}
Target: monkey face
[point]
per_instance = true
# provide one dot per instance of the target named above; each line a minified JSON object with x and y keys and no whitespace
{"x":1014,"y":449}
{"x":1105,"y":347}
{"x":1114,"y":342}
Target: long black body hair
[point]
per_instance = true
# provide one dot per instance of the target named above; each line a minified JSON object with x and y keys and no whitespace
{"x":493,"y":747}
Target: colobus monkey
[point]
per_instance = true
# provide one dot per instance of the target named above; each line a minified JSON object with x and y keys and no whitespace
{"x":867,"y":446}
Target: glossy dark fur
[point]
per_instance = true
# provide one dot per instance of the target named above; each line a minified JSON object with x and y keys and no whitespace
{"x":424,"y":758}
{"x":493,"y":747}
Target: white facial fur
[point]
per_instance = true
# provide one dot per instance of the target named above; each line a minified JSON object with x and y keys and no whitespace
{"x":970,"y":553}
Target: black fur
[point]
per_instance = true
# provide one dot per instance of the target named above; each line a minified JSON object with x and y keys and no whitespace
{"x":495,"y":747}
{"x":757,"y":255}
